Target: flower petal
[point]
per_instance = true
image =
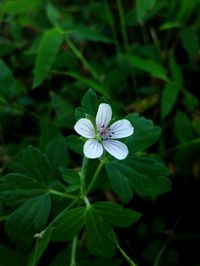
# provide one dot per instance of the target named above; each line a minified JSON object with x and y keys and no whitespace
{"x":116,"y":148}
{"x":92,"y":149}
{"x":85,"y":128}
{"x":121,"y":129}
{"x":104,"y":115}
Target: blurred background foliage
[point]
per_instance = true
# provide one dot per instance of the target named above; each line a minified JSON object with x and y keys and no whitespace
{"x":142,"y":56}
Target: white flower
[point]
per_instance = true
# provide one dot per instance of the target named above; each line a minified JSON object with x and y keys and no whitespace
{"x":103,"y":136}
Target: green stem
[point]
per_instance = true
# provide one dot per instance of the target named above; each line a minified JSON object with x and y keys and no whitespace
{"x":115,"y":240}
{"x":128,"y":259}
{"x":122,"y":23}
{"x":73,"y":253}
{"x":61,"y":194}
{"x":82,"y":177}
{"x":96,"y":174}
{"x":83,"y":60}
{"x":160,"y":253}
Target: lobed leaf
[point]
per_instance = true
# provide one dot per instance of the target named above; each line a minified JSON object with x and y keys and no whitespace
{"x":56,"y":152}
{"x":16,"y":188}
{"x":36,"y":165}
{"x":145,"y":133}
{"x":69,"y":224}
{"x":97,"y":235}
{"x":29,"y":218}
{"x":145,"y":176}
{"x":116,"y":214}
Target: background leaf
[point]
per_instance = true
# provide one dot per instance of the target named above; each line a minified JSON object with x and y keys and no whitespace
{"x":192,"y":46}
{"x":171,"y":90}
{"x":147,"y":65}
{"x":183,"y":128}
{"x":10,"y":257}
{"x":143,"y":7}
{"x":7,"y":81}
{"x":47,"y":51}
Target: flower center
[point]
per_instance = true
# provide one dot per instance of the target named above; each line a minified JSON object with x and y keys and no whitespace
{"x":105,"y":133}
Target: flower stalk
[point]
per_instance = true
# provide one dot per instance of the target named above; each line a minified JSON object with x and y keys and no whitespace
{"x":82,"y":177}
{"x":96,"y":174}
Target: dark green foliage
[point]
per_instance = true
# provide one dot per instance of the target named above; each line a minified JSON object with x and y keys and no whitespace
{"x":58,"y":61}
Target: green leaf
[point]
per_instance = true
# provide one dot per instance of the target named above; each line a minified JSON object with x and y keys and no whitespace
{"x":53,"y":14}
{"x":190,"y":101}
{"x":143,"y":7}
{"x":169,"y":97}
{"x":17,"y":187}
{"x":116,"y":214}
{"x":64,"y":110}
{"x":20,"y":6}
{"x":36,"y":165}
{"x":176,"y":72}
{"x":85,"y":33}
{"x":97,"y":235}
{"x":97,"y":86}
{"x":28,"y":219}
{"x":48,"y":49}
{"x":186,"y":10}
{"x":145,"y":176}
{"x":39,"y":248}
{"x":56,"y":152}
{"x":90,"y":103}
{"x":7,"y":81}
{"x":190,"y":42}
{"x":70,"y":176}
{"x":10,"y":257}
{"x":120,"y":183}
{"x":145,"y":133}
{"x":69,"y":224}
{"x":171,"y":90}
{"x":183,"y":128}
{"x":75,"y":143}
{"x":147,"y":65}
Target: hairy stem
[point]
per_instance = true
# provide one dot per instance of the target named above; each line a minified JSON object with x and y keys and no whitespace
{"x":82,"y":177}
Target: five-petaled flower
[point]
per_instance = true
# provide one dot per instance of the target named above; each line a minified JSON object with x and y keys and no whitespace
{"x":102,"y":136}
